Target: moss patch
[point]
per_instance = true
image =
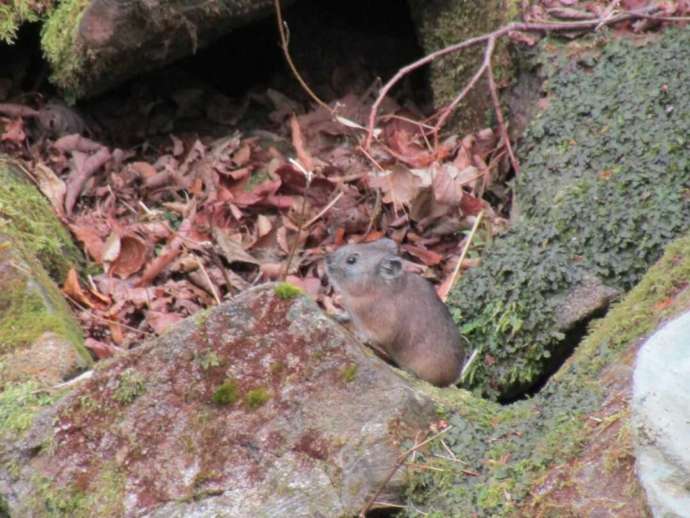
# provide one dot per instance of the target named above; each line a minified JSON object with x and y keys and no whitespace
{"x":17,"y":12}
{"x":604,"y":188}
{"x":256,"y":398}
{"x":226,"y":394}
{"x":349,"y":373}
{"x":58,"y":42}
{"x":27,"y":218}
{"x":19,"y":403}
{"x":502,"y":452}
{"x":286,"y":291}
{"x":130,"y":386}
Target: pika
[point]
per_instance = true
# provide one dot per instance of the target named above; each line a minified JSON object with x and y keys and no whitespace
{"x":397,"y":312}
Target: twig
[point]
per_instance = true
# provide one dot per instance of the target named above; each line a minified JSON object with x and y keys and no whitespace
{"x":308,"y":176}
{"x":462,"y":255}
{"x":211,"y":286}
{"x":607,"y":13}
{"x":323,"y":211}
{"x":401,"y":460}
{"x":104,"y":319}
{"x":495,"y":35}
{"x":499,"y":116}
{"x":284,"y":44}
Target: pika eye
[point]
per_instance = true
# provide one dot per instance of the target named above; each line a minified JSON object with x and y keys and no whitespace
{"x":351,"y":260}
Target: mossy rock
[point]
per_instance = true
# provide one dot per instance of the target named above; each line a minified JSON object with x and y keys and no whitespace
{"x":534,"y":457}
{"x":604,"y":187}
{"x":446,"y":22}
{"x":94,"y":45}
{"x":29,"y":221}
{"x":40,"y":340}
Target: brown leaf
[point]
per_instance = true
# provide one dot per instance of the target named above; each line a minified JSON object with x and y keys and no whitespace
{"x":143,"y":169}
{"x":263,"y":225}
{"x":51,"y":186}
{"x":470,"y":205}
{"x":161,"y":321}
{"x":134,"y":252}
{"x":298,"y":143}
{"x":242,"y":155}
{"x":399,"y":185}
{"x":91,"y":240}
{"x":73,"y":290}
{"x":116,"y":332}
{"x":102,"y":350}
{"x":14,"y":132}
{"x":111,"y":248}
{"x":232,"y":250}
{"x":447,"y":185}
{"x":428,"y":257}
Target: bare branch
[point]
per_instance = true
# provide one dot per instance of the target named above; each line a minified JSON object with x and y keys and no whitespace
{"x":495,"y":35}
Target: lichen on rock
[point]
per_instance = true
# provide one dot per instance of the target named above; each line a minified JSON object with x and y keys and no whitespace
{"x":271,"y":427}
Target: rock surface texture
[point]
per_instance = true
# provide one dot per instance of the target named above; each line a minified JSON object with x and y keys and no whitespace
{"x":661,"y":415}
{"x":261,"y":407}
{"x":93,"y":45}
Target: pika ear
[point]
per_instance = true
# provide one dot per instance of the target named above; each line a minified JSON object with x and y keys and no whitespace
{"x":390,"y":267}
{"x":388,"y":245}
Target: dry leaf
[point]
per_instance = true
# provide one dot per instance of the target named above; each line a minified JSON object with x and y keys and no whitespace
{"x":133,"y":254}
{"x":73,"y":290}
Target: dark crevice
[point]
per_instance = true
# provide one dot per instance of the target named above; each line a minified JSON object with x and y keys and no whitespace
{"x":567,"y":347}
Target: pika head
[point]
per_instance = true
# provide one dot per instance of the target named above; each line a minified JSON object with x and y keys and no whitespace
{"x":357,"y":270}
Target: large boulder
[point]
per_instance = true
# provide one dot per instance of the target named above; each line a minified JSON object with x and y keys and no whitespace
{"x":262,"y":406}
{"x":602,"y":190}
{"x":661,"y":411}
{"x":95,"y":44}
{"x":570,"y":449}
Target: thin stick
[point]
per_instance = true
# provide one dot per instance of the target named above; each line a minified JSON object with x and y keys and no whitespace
{"x":104,"y":319}
{"x":323,"y":211}
{"x":477,"y":40}
{"x":499,"y":116}
{"x":462,"y":255}
{"x":288,"y":58}
{"x":211,"y":286}
{"x":401,"y":460}
{"x":308,"y":176}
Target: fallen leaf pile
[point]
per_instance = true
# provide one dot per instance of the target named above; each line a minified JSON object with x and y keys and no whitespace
{"x":180,"y":218}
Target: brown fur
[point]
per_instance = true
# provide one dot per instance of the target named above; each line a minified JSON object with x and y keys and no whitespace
{"x":397,"y":311}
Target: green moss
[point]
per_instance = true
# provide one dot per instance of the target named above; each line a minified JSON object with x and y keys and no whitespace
{"x":227,"y":393}
{"x":349,"y":373}
{"x":17,"y":12}
{"x":602,"y":191}
{"x":130,"y":385}
{"x":27,"y":312}
{"x":27,"y":218}
{"x":286,"y":291}
{"x":58,"y":42}
{"x":256,"y":398}
{"x":509,"y":449}
{"x":19,"y":403}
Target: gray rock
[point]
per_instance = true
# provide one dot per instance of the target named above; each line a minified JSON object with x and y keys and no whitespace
{"x":312,"y":423}
{"x":661,"y":417}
